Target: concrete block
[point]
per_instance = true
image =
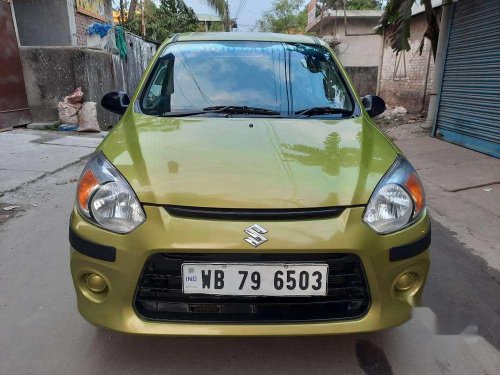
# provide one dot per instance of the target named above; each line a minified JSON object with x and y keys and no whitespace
{"x":43,"y":125}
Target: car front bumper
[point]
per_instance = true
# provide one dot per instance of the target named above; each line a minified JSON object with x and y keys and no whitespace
{"x":384,"y":257}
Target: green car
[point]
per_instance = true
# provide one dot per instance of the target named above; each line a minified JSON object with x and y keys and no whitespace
{"x":246,"y":191}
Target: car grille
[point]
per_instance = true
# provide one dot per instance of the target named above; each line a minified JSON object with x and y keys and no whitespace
{"x":159,"y":293}
{"x":249,"y":214}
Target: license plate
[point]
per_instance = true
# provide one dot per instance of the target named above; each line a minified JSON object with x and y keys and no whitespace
{"x":231,"y":279}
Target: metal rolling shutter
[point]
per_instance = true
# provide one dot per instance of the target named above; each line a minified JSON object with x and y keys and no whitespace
{"x":469,"y":107}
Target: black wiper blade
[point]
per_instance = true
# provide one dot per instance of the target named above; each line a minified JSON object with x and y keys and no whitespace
{"x":317,"y":111}
{"x":184,"y":114}
{"x":225,"y":109}
{"x":242,"y":110}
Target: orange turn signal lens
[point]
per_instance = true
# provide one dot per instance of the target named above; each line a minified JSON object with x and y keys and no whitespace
{"x":86,"y":185}
{"x":416,"y":190}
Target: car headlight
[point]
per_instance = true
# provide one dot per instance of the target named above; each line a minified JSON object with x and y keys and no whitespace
{"x":398,"y":199}
{"x":105,"y":198}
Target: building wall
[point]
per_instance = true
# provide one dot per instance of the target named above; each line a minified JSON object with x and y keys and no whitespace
{"x":364,"y":79}
{"x":361,"y":50}
{"x":356,"y":50}
{"x":83,"y":21}
{"x":409,"y":90}
{"x":43,"y":22}
{"x":52,"y":72}
{"x":128,"y":73}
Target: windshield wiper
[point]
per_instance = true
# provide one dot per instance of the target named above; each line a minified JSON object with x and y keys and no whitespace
{"x":225,"y":109}
{"x":244,"y":110}
{"x":185,"y":114}
{"x":318,"y":111}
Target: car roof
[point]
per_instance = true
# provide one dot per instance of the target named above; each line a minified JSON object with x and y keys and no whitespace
{"x":256,"y":37}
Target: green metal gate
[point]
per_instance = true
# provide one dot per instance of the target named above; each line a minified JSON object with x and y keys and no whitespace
{"x":469,"y":102}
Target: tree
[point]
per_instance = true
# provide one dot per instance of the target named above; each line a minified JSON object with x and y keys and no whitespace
{"x":221,"y":7}
{"x":169,"y":16}
{"x":350,"y":4}
{"x":183,"y":16}
{"x":396,"y":22}
{"x":131,"y":10}
{"x":285,"y":16}
{"x":363,"y":4}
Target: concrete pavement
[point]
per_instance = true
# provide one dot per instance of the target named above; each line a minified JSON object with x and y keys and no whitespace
{"x":28,"y":155}
{"x":42,"y":333}
{"x":462,"y":190}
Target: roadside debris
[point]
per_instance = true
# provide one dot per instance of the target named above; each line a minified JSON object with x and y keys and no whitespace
{"x":102,"y":35}
{"x":71,"y":180}
{"x":399,"y":111}
{"x":67,"y":127}
{"x":488,"y":189}
{"x":75,"y":114}
{"x":11,"y":208}
{"x":69,"y":107}
{"x":87,"y":118}
{"x":46,"y":125}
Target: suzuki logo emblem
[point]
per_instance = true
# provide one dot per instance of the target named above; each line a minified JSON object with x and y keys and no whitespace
{"x":255,"y":235}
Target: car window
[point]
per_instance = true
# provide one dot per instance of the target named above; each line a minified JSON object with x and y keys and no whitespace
{"x":315,"y":79}
{"x":284,"y":78}
{"x":199,"y":75}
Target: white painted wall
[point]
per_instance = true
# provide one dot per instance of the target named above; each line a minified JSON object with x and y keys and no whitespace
{"x":362,"y":50}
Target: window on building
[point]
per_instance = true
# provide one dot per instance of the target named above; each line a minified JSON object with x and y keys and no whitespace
{"x":400,"y":66}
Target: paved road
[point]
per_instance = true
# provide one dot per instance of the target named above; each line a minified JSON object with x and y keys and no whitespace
{"x":42,"y":333}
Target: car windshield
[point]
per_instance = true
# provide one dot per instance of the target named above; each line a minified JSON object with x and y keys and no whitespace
{"x":259,"y":78}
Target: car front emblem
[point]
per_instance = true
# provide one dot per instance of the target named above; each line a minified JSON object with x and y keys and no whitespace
{"x":255,"y":235}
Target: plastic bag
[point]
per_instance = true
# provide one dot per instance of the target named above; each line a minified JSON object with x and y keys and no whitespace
{"x":87,"y":118}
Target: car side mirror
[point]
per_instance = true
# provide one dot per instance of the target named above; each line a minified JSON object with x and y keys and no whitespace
{"x":116,"y":101}
{"x":374,"y":105}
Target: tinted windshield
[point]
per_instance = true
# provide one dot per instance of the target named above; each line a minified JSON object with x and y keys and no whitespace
{"x":285,"y":78}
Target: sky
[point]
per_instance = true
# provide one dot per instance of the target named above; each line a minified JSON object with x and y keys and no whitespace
{"x":249,"y":15}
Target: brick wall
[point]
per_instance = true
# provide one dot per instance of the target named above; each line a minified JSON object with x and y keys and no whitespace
{"x":82,"y":21}
{"x":408,"y":91}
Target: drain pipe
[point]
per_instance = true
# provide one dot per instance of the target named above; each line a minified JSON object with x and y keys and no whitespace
{"x":439,"y":62}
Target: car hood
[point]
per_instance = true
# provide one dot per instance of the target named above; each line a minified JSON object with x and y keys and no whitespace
{"x":249,"y":162}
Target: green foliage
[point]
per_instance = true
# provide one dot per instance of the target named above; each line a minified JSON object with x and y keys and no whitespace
{"x":285,"y":16}
{"x":170,"y":16}
{"x":350,"y":4}
{"x":363,"y":4}
{"x":221,"y":7}
{"x":396,"y":22}
{"x":397,"y":16}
